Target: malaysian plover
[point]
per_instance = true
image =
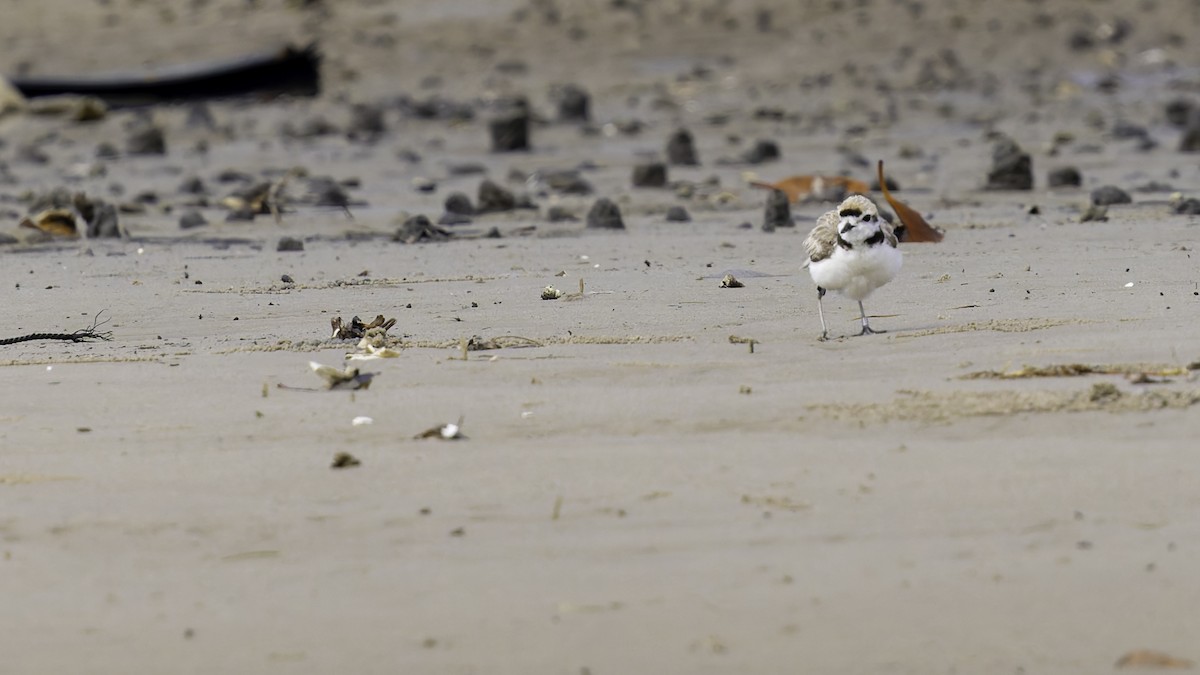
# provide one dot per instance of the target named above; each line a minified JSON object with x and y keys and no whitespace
{"x":851,"y":250}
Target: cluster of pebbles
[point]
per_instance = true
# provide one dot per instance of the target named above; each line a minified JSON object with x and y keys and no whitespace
{"x":71,"y":167}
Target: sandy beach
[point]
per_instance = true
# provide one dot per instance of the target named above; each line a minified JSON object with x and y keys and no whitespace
{"x":659,"y":474}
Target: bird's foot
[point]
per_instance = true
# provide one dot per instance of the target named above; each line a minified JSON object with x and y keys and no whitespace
{"x":867,"y":330}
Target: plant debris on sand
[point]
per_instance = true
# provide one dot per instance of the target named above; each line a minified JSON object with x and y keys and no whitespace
{"x":356,"y":329}
{"x":1077,"y":369}
{"x":82,"y":335}
{"x":926,"y":406}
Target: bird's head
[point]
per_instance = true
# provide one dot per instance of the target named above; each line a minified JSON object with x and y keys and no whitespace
{"x":858,"y":219}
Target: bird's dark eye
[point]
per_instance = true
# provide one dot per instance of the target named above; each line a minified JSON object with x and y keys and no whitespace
{"x":867,"y":218}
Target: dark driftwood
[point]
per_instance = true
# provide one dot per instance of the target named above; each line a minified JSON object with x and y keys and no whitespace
{"x":287,"y":70}
{"x":82,"y":335}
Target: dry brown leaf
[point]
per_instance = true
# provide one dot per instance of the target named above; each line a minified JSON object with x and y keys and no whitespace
{"x":916,"y":230}
{"x":799,"y":187}
{"x":57,"y":222}
{"x":1146,"y":658}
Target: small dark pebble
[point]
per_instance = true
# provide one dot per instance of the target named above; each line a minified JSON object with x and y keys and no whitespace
{"x":418,"y":229}
{"x":605,"y":215}
{"x":510,"y":133}
{"x":1012,"y":168}
{"x":32,"y":154}
{"x":512,"y":67}
{"x":1123,"y":130}
{"x":1188,"y":207}
{"x":199,"y":116}
{"x":326,"y":191}
{"x":193,"y":186}
{"x":493,"y":198}
{"x":102,"y":221}
{"x":1154,"y":186}
{"x":560,"y":214}
{"x":567,"y":182}
{"x":408,"y":155}
{"x":438,"y":108}
{"x":574,"y":104}
{"x":762,"y":151}
{"x":1067,"y":176}
{"x":887,"y":180}
{"x":770,"y":113}
{"x":242,"y":215}
{"x":147,"y":139}
{"x":449,"y":218}
{"x":681,"y":149}
{"x":1108,"y":83}
{"x":678,"y":214}
{"x":778,"y":211}
{"x":762,"y":20}
{"x":466,"y":169}
{"x":107,"y":150}
{"x":366,"y":122}
{"x":313,"y":127}
{"x":1190,"y":141}
{"x":460,"y":203}
{"x":629,"y":127}
{"x":650,"y":175}
{"x":146,"y":197}
{"x":1179,"y":112}
{"x":191,"y":219}
{"x":1110,"y":194}
{"x":287,"y":279}
{"x":234,"y":176}
{"x":289,"y":244}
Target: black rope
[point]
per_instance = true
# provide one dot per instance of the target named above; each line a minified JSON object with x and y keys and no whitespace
{"x":81,"y":335}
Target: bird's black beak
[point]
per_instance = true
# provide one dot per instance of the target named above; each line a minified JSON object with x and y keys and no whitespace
{"x":847,"y":227}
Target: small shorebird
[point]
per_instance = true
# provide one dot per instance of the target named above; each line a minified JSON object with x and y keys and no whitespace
{"x":851,"y":250}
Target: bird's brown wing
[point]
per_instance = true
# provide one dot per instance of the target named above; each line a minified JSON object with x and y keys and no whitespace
{"x":889,"y":235}
{"x":821,"y":241}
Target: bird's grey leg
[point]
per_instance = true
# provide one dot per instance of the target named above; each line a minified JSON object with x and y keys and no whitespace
{"x":821,"y":313}
{"x":866,"y":326}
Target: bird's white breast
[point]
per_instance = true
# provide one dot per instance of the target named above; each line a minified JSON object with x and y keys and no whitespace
{"x":858,"y":271}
